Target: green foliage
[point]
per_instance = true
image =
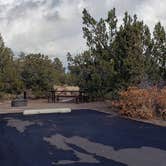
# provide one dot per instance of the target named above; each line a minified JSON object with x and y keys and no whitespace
{"x":39,"y":73}
{"x":159,"y":49}
{"x":118,"y":57}
{"x":59,"y":71}
{"x":9,"y":78}
{"x":129,"y":52}
{"x":34,"y":71}
{"x":93,"y":75}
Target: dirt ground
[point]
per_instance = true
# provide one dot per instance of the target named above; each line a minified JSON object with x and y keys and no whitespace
{"x":5,"y":108}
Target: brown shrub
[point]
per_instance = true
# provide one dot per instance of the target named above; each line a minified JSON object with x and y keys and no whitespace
{"x":142,"y":103}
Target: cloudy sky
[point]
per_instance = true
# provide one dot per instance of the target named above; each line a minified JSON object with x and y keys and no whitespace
{"x":53,"y":27}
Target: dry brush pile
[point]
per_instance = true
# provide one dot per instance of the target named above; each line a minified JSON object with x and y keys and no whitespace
{"x":142,"y":103}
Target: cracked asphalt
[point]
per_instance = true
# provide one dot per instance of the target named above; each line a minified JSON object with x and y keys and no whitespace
{"x":80,"y":138}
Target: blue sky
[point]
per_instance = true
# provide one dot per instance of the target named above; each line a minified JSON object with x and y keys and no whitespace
{"x":54,"y":27}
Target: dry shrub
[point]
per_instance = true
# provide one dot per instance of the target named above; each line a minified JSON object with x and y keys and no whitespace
{"x":6,"y":96}
{"x":161,"y":98}
{"x":161,"y":103}
{"x":142,"y":103}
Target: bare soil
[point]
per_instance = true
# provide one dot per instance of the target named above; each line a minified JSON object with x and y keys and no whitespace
{"x":5,"y":107}
{"x":105,"y":106}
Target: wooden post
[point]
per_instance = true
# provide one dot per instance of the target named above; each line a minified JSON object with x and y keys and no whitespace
{"x":25,"y":95}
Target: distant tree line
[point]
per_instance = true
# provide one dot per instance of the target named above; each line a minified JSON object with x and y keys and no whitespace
{"x":35,"y":72}
{"x":118,"y":56}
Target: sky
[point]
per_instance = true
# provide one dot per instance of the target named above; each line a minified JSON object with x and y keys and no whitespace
{"x":54,"y":27}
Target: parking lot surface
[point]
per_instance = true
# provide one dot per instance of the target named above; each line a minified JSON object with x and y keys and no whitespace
{"x":80,"y":138}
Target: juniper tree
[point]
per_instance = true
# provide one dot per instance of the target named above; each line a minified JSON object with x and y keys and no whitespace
{"x":159,"y":49}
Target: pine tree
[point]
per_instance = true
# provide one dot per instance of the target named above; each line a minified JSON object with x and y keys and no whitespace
{"x":9,"y":78}
{"x":129,"y":50}
{"x":159,"y":49}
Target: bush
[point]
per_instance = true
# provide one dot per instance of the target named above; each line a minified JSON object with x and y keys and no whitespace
{"x":142,"y":103}
{"x":112,"y":95}
{"x":6,"y":96}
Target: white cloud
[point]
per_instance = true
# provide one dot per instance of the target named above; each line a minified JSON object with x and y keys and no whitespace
{"x":54,"y":27}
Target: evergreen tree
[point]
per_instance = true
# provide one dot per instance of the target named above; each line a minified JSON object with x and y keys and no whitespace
{"x":95,"y":68}
{"x":39,"y":73}
{"x":129,"y":52}
{"x":159,"y":49}
{"x":9,"y":78}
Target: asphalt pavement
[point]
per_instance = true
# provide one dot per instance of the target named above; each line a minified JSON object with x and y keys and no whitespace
{"x":80,"y":138}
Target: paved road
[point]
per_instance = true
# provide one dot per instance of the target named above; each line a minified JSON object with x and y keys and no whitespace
{"x":80,"y":138}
